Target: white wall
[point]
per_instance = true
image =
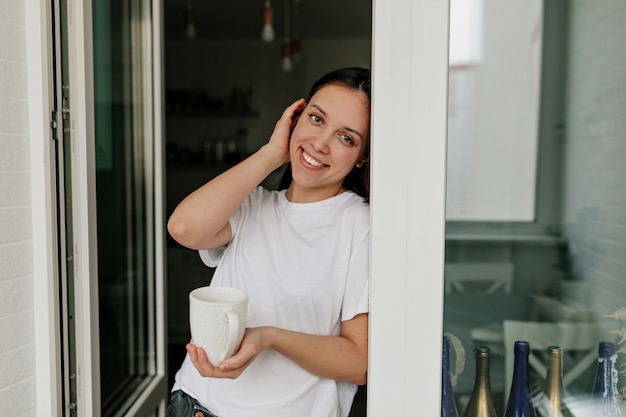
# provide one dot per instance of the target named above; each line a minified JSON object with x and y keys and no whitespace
{"x":17,"y":349}
{"x":594,"y":213}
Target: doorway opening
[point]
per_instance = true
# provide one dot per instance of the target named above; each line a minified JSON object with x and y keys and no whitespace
{"x":225,"y":88}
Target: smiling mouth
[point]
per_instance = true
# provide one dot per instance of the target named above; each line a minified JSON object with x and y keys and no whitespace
{"x":312,"y":161}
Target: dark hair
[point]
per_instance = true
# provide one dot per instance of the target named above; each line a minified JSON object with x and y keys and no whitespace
{"x":357,"y":180}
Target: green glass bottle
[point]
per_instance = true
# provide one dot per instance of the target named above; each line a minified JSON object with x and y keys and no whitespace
{"x":481,"y":403}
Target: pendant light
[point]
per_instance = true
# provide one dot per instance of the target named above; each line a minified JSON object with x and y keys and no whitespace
{"x":296,"y":43}
{"x":190,"y":21}
{"x":286,"y":51}
{"x":267,"y":34}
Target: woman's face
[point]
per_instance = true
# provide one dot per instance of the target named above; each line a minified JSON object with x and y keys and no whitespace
{"x":329,"y":138}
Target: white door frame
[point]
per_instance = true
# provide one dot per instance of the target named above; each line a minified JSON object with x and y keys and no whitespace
{"x":46,"y":306}
{"x":80,"y":53}
{"x":409,"y":119}
{"x":37,"y":18}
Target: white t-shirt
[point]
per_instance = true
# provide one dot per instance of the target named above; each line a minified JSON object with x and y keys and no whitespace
{"x":305,"y":268}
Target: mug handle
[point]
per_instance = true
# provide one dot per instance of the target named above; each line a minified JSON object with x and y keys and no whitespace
{"x":233,"y":332}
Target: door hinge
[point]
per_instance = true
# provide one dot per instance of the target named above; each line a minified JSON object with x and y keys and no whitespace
{"x":65,"y":109}
{"x":54,"y":125}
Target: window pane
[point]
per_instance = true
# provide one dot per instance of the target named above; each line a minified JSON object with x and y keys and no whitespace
{"x":562,"y":285}
{"x":126,"y":280}
{"x":492,"y":137}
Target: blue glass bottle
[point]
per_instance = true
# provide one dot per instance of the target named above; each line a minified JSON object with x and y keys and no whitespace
{"x":605,"y":387}
{"x":448,"y":405}
{"x":520,"y":402}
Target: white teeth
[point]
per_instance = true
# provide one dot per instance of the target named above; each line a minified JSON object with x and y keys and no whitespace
{"x":310,"y":160}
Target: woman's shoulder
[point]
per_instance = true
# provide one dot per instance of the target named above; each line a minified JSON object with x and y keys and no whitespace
{"x":262,"y":194}
{"x":356,"y":210}
{"x":357,"y":202}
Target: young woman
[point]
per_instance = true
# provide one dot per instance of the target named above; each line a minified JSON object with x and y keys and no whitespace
{"x":302,"y":256}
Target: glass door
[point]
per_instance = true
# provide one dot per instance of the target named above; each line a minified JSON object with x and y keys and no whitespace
{"x":535,"y":230}
{"x":110,"y":180}
{"x":124,"y":179}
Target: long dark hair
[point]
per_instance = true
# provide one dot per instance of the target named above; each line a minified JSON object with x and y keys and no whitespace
{"x":357,"y":180}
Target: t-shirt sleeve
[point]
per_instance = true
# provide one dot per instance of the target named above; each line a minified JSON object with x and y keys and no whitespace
{"x":356,"y":297}
{"x":212,"y":257}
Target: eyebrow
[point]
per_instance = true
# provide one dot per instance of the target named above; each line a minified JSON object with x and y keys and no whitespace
{"x":356,"y":132}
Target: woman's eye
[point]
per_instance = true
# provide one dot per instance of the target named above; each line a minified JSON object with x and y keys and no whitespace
{"x":347,"y":139}
{"x":316,"y":118}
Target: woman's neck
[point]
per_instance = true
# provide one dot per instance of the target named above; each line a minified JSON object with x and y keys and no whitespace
{"x":296,"y":194}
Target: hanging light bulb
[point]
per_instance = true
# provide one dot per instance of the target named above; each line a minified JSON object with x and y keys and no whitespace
{"x":287,"y":63}
{"x":296,"y":43}
{"x":286,"y":51}
{"x":190,"y":21}
{"x":296,"y":49}
{"x":267,"y":34}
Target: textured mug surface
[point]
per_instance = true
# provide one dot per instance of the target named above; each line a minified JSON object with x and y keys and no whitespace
{"x":217,"y":319}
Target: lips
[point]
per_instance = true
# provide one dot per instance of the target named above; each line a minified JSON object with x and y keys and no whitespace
{"x":312,"y":161}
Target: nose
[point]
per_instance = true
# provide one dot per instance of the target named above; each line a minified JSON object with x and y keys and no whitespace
{"x":321,"y":143}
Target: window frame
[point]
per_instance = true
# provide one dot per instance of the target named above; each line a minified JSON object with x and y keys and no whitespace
{"x":409,"y":123}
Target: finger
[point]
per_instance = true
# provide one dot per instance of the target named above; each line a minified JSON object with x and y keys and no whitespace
{"x":193,"y":353}
{"x":200,"y":360}
{"x":241,"y":359}
{"x":191,"y":350}
{"x":296,"y":105}
{"x":292,"y":109}
{"x":203,"y":359}
{"x":235,"y":366}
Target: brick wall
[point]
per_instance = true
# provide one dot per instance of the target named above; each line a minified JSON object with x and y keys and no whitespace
{"x":594,"y":214}
{"x":17,"y":351}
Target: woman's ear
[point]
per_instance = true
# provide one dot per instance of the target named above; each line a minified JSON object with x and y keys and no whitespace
{"x":362,"y":162}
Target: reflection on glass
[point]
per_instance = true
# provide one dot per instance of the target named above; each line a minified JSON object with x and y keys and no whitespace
{"x":125,"y":280}
{"x":536,"y":207}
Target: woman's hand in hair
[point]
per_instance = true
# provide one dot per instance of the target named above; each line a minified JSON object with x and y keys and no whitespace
{"x":279,"y":141}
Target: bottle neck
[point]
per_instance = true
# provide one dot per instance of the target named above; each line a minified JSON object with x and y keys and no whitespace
{"x":482,"y":370}
{"x":554,"y":374}
{"x":520,"y":371}
{"x":606,"y":377}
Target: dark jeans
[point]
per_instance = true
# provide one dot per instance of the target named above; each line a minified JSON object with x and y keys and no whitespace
{"x":183,"y":405}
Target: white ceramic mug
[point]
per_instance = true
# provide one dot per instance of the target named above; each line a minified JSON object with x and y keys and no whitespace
{"x":217,"y":318}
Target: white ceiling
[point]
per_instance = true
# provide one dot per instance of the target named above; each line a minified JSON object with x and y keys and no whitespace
{"x":243,"y":19}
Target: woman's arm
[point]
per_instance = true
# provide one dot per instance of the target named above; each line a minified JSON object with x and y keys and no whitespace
{"x":200,"y":221}
{"x":342,"y":358}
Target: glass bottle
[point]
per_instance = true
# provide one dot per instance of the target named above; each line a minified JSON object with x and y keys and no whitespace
{"x":481,"y":403}
{"x":520,"y":403}
{"x":448,"y":405}
{"x":552,"y":404}
{"x":605,"y":387}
